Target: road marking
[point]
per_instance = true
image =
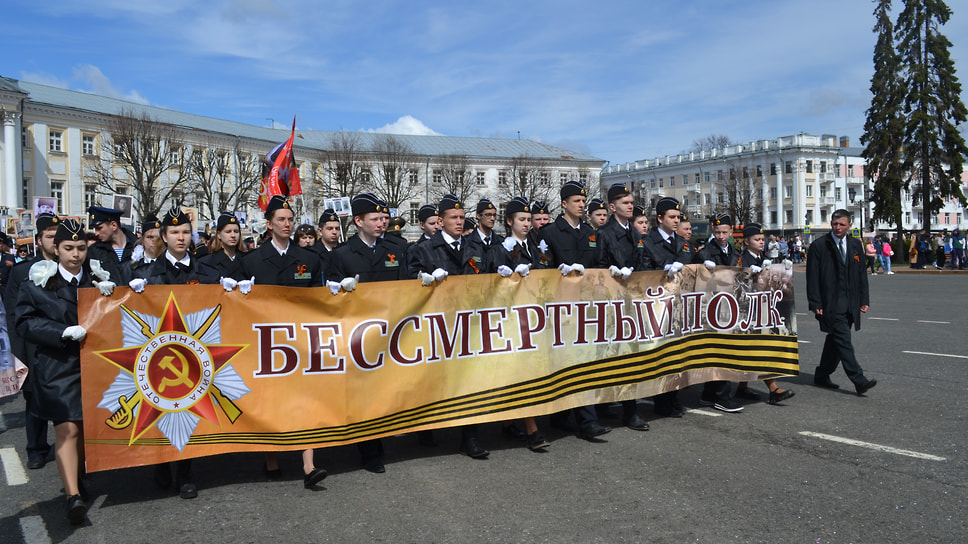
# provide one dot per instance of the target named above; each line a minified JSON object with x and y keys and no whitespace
{"x":3,"y":424}
{"x":804,"y":342}
{"x":877,"y":447}
{"x":884,"y":318}
{"x":936,"y":354}
{"x":34,"y":530}
{"x":802,"y":313}
{"x":935,"y":322}
{"x":704,"y":412}
{"x":13,"y":467}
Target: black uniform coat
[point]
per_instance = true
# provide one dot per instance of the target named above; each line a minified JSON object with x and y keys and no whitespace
{"x":104,"y":252}
{"x":7,"y":262}
{"x":227,"y":268}
{"x":499,"y":255}
{"x":748,"y":259}
{"x":657,"y":253}
{"x":42,"y":315}
{"x":712,"y":252}
{"x":299,"y":267}
{"x":382,"y":263}
{"x":162,"y":272}
{"x":825,"y":287}
{"x":620,"y":246}
{"x":325,"y":259}
{"x":18,"y":275}
{"x":437,"y":253}
{"x":397,"y":245}
{"x":568,"y":245}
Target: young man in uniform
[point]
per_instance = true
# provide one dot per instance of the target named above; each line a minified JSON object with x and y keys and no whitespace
{"x":115,"y":243}
{"x":483,"y":238}
{"x":539,"y":218}
{"x":429,"y":222}
{"x":329,"y":230}
{"x":597,"y":213}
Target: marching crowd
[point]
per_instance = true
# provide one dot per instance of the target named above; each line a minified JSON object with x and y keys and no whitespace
{"x":613,"y":233}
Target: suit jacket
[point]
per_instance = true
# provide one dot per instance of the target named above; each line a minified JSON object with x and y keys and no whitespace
{"x":568,"y":245}
{"x":162,"y":272}
{"x":620,"y":246}
{"x":42,"y":315}
{"x":437,"y":253}
{"x":824,"y":287}
{"x":299,"y":267}
{"x":226,"y":268}
{"x":712,"y":252}
{"x":657,"y":253}
{"x":385,"y":262}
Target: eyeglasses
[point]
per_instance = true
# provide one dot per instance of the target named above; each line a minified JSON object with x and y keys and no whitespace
{"x":489,"y":215}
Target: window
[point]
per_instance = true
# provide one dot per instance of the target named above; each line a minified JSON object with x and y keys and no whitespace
{"x":850,"y":170}
{"x":907,"y":217}
{"x":809,"y":190}
{"x":809,"y":217}
{"x":652,"y":184}
{"x":174,"y":156}
{"x":685,"y":179}
{"x":583,"y":177}
{"x":705,"y":199}
{"x":87,"y":144}
{"x":459,"y":178}
{"x":544,"y":179}
{"x":365,"y":176}
{"x":55,"y":139}
{"x":823,"y":216}
{"x":788,"y":167}
{"x":719,"y":175}
{"x":411,"y":178}
{"x":759,"y":170}
{"x":773,"y":172}
{"x":414,"y":211}
{"x":90,"y":195}
{"x":787,"y":191}
{"x":838,"y":194}
{"x":25,"y":137}
{"x":25,"y":189}
{"x":720,"y":198}
{"x":563,"y":178}
{"x":823,"y":191}
{"x":773,"y":194}
{"x":480,"y":178}
{"x":746,"y":172}
{"x":118,"y":150}
{"x":958,"y":219}
{"x":661,"y":182}
{"x":502,"y":178}
{"x":685,"y":201}
{"x":696,"y":177}
{"x":57,"y":193}
{"x":920,"y":218}
{"x":773,"y":217}
{"x":672,"y":181}
{"x":823,"y":167}
{"x":788,"y":216}
{"x":438,"y":177}
{"x":121,"y":189}
{"x":809,"y":166}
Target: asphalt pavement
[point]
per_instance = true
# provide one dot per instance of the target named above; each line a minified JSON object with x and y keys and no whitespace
{"x":826,"y":466}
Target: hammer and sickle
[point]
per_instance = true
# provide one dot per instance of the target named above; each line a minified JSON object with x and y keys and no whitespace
{"x":181,"y":373}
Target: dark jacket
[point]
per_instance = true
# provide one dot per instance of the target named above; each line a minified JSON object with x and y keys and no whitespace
{"x":712,"y":252}
{"x":832,"y":284}
{"x":620,"y":246}
{"x":748,"y":259}
{"x":499,"y":255}
{"x":567,"y":245}
{"x":42,"y":315}
{"x":657,"y":253}
{"x":162,"y":272}
{"x":104,"y":252}
{"x":226,"y":268}
{"x":382,"y":263}
{"x":299,"y":267}
{"x":7,"y":262}
{"x":437,"y":253}
{"x":397,"y":245}
{"x":18,"y":275}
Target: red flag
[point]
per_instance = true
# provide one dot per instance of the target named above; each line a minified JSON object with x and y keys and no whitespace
{"x":280,"y":176}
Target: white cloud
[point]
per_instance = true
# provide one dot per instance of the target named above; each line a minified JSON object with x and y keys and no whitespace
{"x":406,"y":125}
{"x":42,"y":78}
{"x":99,"y":83}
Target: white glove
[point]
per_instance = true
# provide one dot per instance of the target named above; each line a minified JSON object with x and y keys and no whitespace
{"x":334,"y":287}
{"x":616,"y":271}
{"x":673,"y":268}
{"x":504,"y":270}
{"x":578,"y":267}
{"x":755,"y":269}
{"x":75,"y":333}
{"x":439,"y":274}
{"x":766,"y":264}
{"x":105,"y":287}
{"x":138,"y":284}
{"x":349,"y":284}
{"x":564,"y":269}
{"x":426,"y":279}
{"x":245,"y":286}
{"x":626,"y":272}
{"x":709,"y":264}
{"x":523,"y":269}
{"x":787,"y":264}
{"x":228,"y":283}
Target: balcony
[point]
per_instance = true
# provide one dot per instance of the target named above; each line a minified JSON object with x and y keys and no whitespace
{"x":855,"y":181}
{"x":827,"y":201}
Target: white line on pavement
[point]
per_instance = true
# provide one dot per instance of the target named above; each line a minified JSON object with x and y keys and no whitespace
{"x":877,"y":447}
{"x":884,"y":318}
{"x":803,"y":341}
{"x":936,"y":354}
{"x":703,"y":412}
{"x":802,"y":313}
{"x":34,"y":530}
{"x":13,"y":467}
{"x":935,"y":322}
{"x":3,"y":423}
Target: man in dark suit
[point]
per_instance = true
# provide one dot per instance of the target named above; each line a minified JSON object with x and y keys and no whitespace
{"x":837,"y":294}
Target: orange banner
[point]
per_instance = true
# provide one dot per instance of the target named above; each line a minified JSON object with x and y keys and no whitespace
{"x":189,"y":371}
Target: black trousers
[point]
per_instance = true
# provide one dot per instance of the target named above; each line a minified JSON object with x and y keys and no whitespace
{"x":36,"y":429}
{"x":838,"y":349}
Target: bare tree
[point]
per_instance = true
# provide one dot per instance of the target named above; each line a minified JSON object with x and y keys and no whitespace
{"x":141,"y":158}
{"x":343,"y":164}
{"x":222,"y":180}
{"x":713,"y":141}
{"x":456,"y":178}
{"x":743,"y":201}
{"x":527,"y":177}
{"x":394,"y":177}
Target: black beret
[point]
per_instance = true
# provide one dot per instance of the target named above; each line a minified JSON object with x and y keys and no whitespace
{"x":397,"y":224}
{"x":638,"y":211}
{"x":469,"y":224}
{"x":45,"y":221}
{"x":618,"y":190}
{"x":752,"y":229}
{"x":539,"y":207}
{"x":329,"y":214}
{"x":277,"y":202}
{"x":665,"y":204}
{"x":595,"y":205}
{"x":449,"y":202}
{"x":225,"y":219}
{"x":69,"y":229}
{"x":150,"y":222}
{"x":176,"y":217}
{"x":365,"y":203}
{"x":426,"y":212}
{"x":485,"y":204}
{"x":572,"y":188}
{"x":722,"y":219}
{"x":517,"y":204}
{"x":98,"y":215}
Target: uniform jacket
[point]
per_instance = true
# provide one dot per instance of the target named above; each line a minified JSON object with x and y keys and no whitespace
{"x":657,"y":253}
{"x":567,"y":245}
{"x":499,"y":255}
{"x":712,"y":252}
{"x":437,"y":253}
{"x":104,"y":252}
{"x":823,"y":286}
{"x":397,"y":245}
{"x":385,"y":262}
{"x":226,"y":268}
{"x":162,"y":272}
{"x":299,"y":267}
{"x":18,"y":275}
{"x":7,"y":262}
{"x":748,"y":259}
{"x":620,"y":246}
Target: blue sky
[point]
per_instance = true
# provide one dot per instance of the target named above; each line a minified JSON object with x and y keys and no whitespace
{"x":619,"y":80}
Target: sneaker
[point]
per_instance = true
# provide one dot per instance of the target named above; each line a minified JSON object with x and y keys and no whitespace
{"x":729,"y":406}
{"x":890,"y":273}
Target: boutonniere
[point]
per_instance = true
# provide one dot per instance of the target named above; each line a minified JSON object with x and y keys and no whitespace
{"x":685,"y":247}
{"x":591,"y":238}
{"x":856,"y":258}
{"x":472,"y":262}
{"x":41,"y":271}
{"x":591,"y":241}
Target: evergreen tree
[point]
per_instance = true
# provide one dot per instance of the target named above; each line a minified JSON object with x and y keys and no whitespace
{"x":884,"y":127}
{"x":933,"y":149}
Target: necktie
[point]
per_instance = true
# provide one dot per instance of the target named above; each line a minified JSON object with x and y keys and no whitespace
{"x":456,"y":245}
{"x":843,"y":252}
{"x":487,"y":241}
{"x":524,"y":250}
{"x":74,"y":282}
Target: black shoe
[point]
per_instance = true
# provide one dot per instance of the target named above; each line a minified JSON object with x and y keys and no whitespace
{"x":426,"y":439}
{"x":747,"y":393}
{"x":593,"y":430}
{"x":514,"y":433}
{"x":317,"y":475}
{"x":374,"y":466}
{"x":777,"y":397}
{"x":861,"y":389}
{"x":825,"y":383}
{"x":37,"y":460}
{"x":273,"y":474}
{"x":187,"y":490}
{"x":473,"y":449}
{"x":76,"y":509}
{"x":537,"y":442}
{"x":636,"y":423}
{"x":163,"y":476}
{"x":723,"y":405}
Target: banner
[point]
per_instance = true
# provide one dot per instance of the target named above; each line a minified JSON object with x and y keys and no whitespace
{"x":280,"y":175}
{"x":188,"y":371}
